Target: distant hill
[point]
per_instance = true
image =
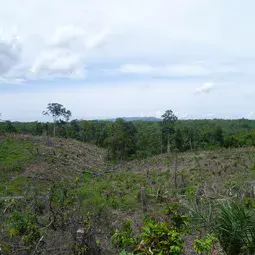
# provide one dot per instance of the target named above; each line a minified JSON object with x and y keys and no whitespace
{"x":137,"y":119}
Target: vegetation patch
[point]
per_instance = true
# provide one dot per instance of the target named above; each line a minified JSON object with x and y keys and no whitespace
{"x":15,"y":154}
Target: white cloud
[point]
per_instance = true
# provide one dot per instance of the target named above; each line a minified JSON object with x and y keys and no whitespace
{"x":10,"y":51}
{"x":58,"y":62}
{"x":165,"y":29}
{"x":205,"y":88}
{"x":191,"y":39}
{"x":96,"y":40}
{"x":137,"y":69}
{"x":62,"y":56}
{"x":167,"y":70}
{"x":64,"y":36}
{"x":78,"y":38}
{"x":187,"y":70}
{"x":65,"y":53}
{"x":10,"y":80}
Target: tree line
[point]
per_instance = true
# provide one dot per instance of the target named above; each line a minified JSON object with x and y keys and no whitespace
{"x":137,"y":139}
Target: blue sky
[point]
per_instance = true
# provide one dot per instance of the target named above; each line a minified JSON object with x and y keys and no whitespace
{"x":109,"y":58}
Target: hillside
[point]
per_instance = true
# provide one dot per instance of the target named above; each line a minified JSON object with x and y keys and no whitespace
{"x":58,"y":189}
{"x":25,"y":157}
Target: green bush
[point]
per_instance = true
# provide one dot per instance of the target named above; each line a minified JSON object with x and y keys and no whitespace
{"x":24,"y":225}
{"x":160,"y":238}
{"x":205,"y":244}
{"x":236,"y":229}
{"x":123,"y":238}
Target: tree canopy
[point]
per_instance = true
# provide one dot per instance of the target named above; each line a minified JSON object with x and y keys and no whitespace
{"x":57,"y":111}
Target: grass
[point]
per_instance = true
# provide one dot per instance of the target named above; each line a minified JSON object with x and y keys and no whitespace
{"x":15,"y":187}
{"x":15,"y":154}
{"x":38,"y":160}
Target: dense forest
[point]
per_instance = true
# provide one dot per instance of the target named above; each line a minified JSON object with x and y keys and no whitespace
{"x":137,"y":139}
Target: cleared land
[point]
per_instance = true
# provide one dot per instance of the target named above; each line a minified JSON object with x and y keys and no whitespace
{"x":63,"y":182}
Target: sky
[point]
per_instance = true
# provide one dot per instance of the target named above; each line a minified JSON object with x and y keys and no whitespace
{"x":115,"y":58}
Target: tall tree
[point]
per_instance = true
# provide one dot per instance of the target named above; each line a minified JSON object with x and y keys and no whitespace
{"x":10,"y":128}
{"x":75,"y":129}
{"x":168,"y":123}
{"x":57,"y":111}
{"x":86,"y":133}
{"x":122,"y":140}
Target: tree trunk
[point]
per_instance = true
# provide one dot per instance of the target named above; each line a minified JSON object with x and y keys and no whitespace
{"x":190,"y":144}
{"x":175,"y":170}
{"x":54,"y":129}
{"x":168,"y":144}
{"x":143,"y":198}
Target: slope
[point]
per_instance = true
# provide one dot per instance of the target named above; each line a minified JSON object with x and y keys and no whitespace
{"x":25,"y":158}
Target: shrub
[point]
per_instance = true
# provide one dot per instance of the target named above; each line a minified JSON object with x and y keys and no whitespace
{"x":236,"y":229}
{"x":24,"y":225}
{"x":160,"y":238}
{"x":205,"y":244}
{"x":123,"y":238}
{"x":178,"y":220}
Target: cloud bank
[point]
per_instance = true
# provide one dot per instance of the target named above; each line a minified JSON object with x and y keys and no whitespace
{"x":117,"y":54}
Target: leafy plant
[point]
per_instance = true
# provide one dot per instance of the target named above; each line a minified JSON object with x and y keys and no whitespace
{"x":202,"y":214}
{"x":160,"y":238}
{"x":205,"y":244}
{"x":24,"y":225}
{"x":5,"y":248}
{"x":236,"y":228}
{"x":126,"y":253}
{"x":123,"y":239}
{"x":179,"y":221}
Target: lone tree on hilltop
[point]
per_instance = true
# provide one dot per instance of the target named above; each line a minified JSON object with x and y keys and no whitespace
{"x":57,"y":111}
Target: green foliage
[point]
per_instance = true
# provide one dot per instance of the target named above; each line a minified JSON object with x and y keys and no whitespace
{"x":110,"y":192}
{"x":160,"y":238}
{"x":144,"y":138}
{"x":169,"y":117}
{"x":15,"y":187}
{"x":122,"y":140}
{"x":5,"y":248}
{"x":164,"y":237}
{"x":232,"y":141}
{"x":178,"y":220}
{"x":57,"y":111}
{"x":236,"y":228}
{"x":10,"y":128}
{"x":24,"y":225}
{"x":126,"y":253}
{"x":123,"y":238}
{"x":205,"y":244}
{"x":202,"y":214}
{"x":15,"y":154}
{"x":168,"y":130}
